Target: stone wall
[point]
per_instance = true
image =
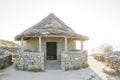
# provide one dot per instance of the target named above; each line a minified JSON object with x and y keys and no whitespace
{"x":10,"y":49}
{"x":30,"y":61}
{"x":73,"y":59}
{"x":5,"y":61}
{"x":113,"y":60}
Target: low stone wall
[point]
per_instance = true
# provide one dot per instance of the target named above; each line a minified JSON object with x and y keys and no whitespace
{"x":113,"y":60}
{"x":30,"y":61}
{"x":5,"y":61}
{"x":73,"y":60}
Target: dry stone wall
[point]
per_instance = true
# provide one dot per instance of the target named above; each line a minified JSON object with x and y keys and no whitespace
{"x":73,"y":59}
{"x":5,"y":61}
{"x":10,"y":49}
{"x":30,"y":61}
{"x":113,"y":60}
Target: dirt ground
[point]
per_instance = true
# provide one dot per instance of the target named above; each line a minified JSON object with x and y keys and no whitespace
{"x":93,"y":72}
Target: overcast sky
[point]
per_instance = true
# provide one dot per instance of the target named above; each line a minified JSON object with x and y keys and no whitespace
{"x":98,"y":19}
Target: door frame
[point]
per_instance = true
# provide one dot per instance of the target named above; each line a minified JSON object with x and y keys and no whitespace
{"x":54,"y":55}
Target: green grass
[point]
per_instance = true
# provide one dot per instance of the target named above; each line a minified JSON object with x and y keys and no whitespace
{"x":3,"y":67}
{"x":26,"y":69}
{"x":76,"y":67}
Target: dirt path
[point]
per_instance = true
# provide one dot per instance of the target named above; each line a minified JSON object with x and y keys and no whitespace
{"x":97,"y":67}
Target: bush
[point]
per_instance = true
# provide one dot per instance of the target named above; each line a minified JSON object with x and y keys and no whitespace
{"x":99,"y":57}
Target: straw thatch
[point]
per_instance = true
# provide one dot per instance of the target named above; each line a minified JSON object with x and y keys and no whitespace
{"x":51,"y":25}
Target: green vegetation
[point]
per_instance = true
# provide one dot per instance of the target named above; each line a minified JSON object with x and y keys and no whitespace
{"x":26,"y":69}
{"x":111,"y":71}
{"x":99,"y":57}
{"x":106,"y":48}
{"x":116,"y":73}
{"x":102,"y":49}
{"x":100,"y":52}
{"x":3,"y":66}
{"x":5,"y":62}
{"x":77,"y":67}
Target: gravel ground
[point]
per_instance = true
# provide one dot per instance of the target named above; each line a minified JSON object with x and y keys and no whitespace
{"x":93,"y":72}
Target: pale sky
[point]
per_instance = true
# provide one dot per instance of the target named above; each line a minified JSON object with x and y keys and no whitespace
{"x":98,"y":19}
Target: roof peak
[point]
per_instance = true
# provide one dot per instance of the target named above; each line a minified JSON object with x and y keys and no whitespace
{"x":51,"y":15}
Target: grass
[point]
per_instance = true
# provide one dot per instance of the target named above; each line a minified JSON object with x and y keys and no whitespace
{"x":26,"y":69}
{"x":3,"y":67}
{"x":77,"y":67}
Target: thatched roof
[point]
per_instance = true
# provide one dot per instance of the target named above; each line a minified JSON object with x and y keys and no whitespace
{"x":51,"y":25}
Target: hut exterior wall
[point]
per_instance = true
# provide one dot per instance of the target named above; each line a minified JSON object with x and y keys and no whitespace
{"x":33,"y":44}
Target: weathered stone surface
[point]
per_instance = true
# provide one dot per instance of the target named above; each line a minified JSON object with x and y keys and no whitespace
{"x":10,"y":49}
{"x":30,"y":60}
{"x":71,"y":59}
{"x":113,"y":60}
{"x":5,"y":60}
{"x":109,"y":70}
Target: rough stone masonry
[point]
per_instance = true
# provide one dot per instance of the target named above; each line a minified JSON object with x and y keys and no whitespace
{"x":113,"y":60}
{"x":73,"y":59}
{"x":5,"y":61}
{"x":30,"y":60}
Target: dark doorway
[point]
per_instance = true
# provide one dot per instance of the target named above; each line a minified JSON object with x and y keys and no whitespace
{"x":51,"y":50}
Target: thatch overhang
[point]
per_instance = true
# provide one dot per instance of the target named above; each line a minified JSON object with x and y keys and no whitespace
{"x":51,"y":26}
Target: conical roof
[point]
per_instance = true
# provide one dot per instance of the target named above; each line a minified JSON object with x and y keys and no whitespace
{"x":51,"y":25}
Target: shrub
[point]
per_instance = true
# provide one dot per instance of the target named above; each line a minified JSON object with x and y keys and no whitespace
{"x":99,"y":57}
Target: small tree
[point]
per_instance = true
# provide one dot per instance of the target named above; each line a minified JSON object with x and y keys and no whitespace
{"x":105,"y":48}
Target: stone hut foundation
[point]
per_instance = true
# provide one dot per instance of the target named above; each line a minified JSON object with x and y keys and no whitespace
{"x":35,"y":61}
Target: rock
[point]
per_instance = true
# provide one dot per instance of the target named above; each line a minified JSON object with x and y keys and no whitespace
{"x":113,"y":60}
{"x":5,"y":61}
{"x":109,"y":70}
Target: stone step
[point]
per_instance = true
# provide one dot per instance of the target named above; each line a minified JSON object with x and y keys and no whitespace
{"x":52,"y":65}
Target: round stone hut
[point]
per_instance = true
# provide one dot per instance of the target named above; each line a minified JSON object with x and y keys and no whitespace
{"x":49,"y":40}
